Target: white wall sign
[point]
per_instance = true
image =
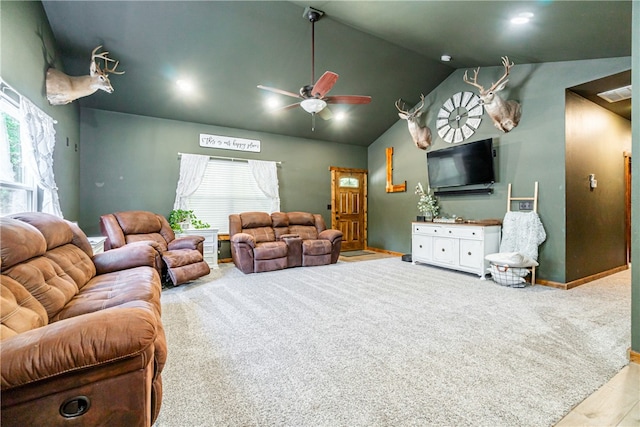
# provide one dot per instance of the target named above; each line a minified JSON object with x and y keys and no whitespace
{"x":229,"y":143}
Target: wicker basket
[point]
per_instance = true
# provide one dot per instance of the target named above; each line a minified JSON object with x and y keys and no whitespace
{"x":506,"y":275}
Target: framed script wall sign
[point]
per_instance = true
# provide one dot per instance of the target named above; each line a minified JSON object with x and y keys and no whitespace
{"x":229,"y":143}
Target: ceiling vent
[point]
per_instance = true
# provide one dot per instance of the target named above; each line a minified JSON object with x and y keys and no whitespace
{"x":615,"y":95}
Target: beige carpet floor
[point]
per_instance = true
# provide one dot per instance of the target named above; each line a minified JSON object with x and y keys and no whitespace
{"x":386,"y":343}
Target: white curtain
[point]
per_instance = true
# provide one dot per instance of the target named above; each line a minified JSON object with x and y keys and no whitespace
{"x":192,"y":168}
{"x":266,"y":176}
{"x":39,"y":131}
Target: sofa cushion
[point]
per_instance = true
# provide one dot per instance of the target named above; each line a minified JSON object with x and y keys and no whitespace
{"x":261,"y":234}
{"x":19,"y":310}
{"x":270,"y":250}
{"x":113,"y":290}
{"x":279,"y":219}
{"x":150,"y":237}
{"x":301,"y":218}
{"x":56,"y":231}
{"x":306,"y":232}
{"x":74,"y":262}
{"x":316,"y":247}
{"x":46,"y":281}
{"x":138,"y":222}
{"x":20,"y":242}
{"x":255,"y":219}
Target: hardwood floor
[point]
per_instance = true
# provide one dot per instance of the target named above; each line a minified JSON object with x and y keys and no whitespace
{"x":615,"y":404}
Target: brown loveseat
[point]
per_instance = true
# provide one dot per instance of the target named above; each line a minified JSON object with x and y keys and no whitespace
{"x":82,"y":343}
{"x":181,"y":258}
{"x":265,"y":242}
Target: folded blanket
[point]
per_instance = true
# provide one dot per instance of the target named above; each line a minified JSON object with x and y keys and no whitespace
{"x":522,"y":232}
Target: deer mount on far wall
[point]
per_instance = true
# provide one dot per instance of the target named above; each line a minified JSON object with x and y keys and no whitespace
{"x":63,"y":89}
{"x":421,"y":135}
{"x":505,"y":114}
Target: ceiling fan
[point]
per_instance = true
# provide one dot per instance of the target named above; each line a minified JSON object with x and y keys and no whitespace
{"x":313,"y":97}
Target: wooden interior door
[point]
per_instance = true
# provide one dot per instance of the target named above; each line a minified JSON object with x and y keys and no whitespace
{"x":349,"y":206}
{"x":627,"y":200}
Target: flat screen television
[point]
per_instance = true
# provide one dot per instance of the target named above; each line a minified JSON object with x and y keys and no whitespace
{"x":466,"y":164}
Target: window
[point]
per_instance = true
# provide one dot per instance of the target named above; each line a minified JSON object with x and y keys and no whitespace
{"x":18,"y":191}
{"x":227,"y":187}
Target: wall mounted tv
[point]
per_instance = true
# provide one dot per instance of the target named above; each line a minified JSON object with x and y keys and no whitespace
{"x":466,"y":164}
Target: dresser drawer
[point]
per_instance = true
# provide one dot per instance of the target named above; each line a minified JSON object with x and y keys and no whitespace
{"x":465,"y":232}
{"x":428,"y":229}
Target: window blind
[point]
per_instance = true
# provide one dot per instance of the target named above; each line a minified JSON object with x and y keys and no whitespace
{"x":227,"y":187}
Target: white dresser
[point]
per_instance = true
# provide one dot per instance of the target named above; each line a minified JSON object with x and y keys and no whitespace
{"x":210,"y":247}
{"x":456,"y":246}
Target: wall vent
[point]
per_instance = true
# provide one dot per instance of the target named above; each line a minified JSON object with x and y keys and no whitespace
{"x":615,"y":95}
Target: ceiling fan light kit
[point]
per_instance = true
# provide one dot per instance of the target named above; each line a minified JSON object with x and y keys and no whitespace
{"x":313,"y":105}
{"x":313,"y":98}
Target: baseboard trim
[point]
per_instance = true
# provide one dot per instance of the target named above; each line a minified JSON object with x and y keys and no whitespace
{"x":582,"y":281}
{"x":634,"y":356}
{"x":382,"y":251}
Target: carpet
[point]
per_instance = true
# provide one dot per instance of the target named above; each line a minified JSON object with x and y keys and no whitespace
{"x":385,"y":343}
{"x":356,"y":253}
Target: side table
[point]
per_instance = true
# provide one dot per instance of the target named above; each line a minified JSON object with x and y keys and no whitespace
{"x":97,"y":243}
{"x":210,"y":247}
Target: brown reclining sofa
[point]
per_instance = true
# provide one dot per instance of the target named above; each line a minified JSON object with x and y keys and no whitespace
{"x":81,"y":341}
{"x":266,"y":242}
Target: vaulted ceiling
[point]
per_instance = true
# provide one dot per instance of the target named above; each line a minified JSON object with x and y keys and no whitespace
{"x":385,"y":49}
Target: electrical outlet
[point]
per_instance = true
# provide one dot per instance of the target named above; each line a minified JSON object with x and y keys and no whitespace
{"x":525,"y":206}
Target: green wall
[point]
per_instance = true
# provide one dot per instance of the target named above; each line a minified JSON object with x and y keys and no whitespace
{"x":635,"y":183}
{"x":534,"y":151}
{"x":27,"y":47}
{"x":131,"y":162}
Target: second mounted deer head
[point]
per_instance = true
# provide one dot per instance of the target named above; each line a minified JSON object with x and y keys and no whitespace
{"x":63,"y":89}
{"x":421,"y":134}
{"x":505,"y":114}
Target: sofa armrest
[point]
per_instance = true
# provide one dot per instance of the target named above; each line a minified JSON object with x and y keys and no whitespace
{"x":138,"y":254}
{"x":186,"y":242}
{"x":330,"y":235}
{"x":75,"y":344}
{"x":243,"y":238}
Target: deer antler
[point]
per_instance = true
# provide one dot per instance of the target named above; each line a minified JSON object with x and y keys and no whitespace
{"x":417,"y":108}
{"x":507,"y":68}
{"x":103,"y":56}
{"x":473,"y":82}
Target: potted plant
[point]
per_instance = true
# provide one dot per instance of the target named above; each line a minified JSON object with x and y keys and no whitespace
{"x":427,"y":204}
{"x":181,"y":219}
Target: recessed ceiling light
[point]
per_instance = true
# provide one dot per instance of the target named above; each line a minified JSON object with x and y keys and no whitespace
{"x":522,"y":18}
{"x":445,"y":58}
{"x":184,"y":85}
{"x":273,"y":103}
{"x":340,"y":116}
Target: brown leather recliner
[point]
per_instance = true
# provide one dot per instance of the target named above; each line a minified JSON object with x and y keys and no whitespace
{"x":266,"y":242}
{"x":181,"y":258}
{"x":82,"y":341}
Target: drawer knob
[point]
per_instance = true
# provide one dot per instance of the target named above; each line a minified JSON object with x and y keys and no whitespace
{"x":449,"y":231}
{"x":420,"y":246}
{"x":442,"y":249}
{"x":469,"y":253}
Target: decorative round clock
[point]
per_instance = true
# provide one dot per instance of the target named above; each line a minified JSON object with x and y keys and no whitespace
{"x":459,"y":117}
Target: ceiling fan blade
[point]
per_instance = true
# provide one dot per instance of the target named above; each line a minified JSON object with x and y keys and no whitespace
{"x":325,"y":113}
{"x":348,"y":99}
{"x":280,"y":91}
{"x":286,"y":107}
{"x":324,"y":84}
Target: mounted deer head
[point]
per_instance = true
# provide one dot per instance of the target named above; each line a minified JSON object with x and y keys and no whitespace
{"x":421,"y":134}
{"x":63,"y":89}
{"x":505,"y":114}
